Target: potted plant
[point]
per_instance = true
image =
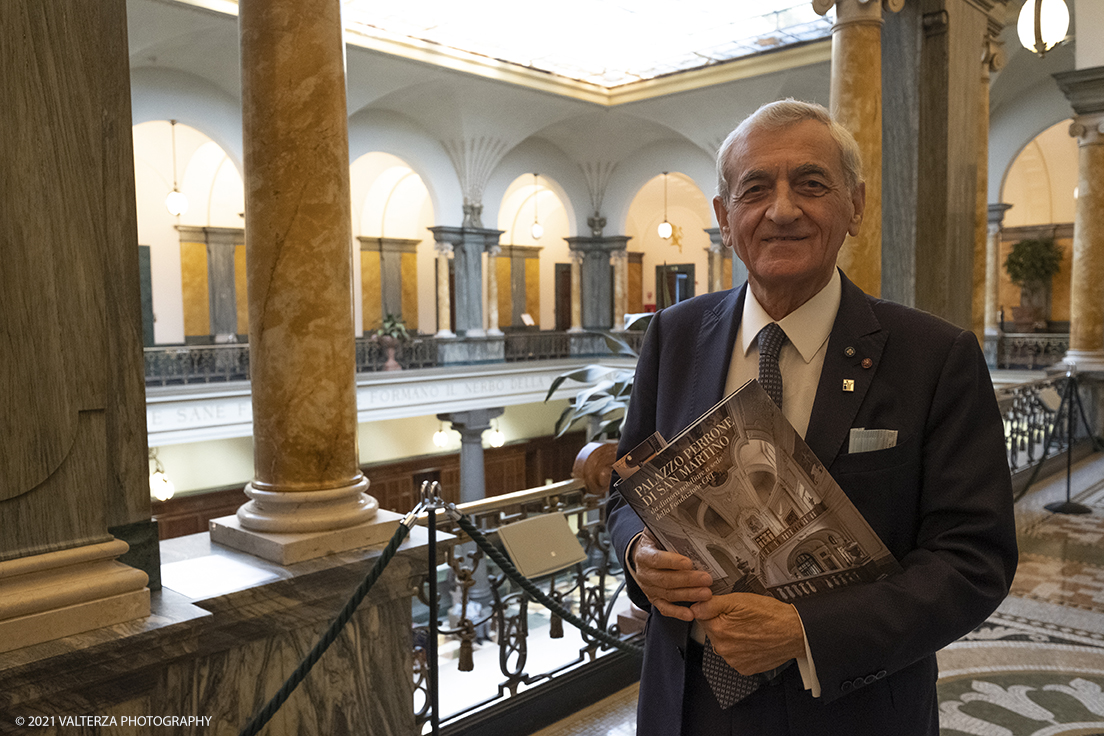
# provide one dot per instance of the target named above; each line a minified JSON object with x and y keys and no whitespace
{"x":391,"y":334}
{"x":1031,"y":265}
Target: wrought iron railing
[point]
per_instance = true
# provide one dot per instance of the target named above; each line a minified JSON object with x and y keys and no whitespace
{"x":1029,"y":411}
{"x":200,"y":364}
{"x":590,"y":590}
{"x":1030,"y":350}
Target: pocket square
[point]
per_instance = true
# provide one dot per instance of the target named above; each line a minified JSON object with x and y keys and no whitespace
{"x":868,"y":440}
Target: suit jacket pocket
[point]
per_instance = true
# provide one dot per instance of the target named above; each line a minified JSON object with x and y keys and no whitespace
{"x":875,"y":460}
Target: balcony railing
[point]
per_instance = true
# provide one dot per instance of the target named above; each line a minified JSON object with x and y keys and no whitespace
{"x":492,"y":652}
{"x":1030,"y":350}
{"x":204,"y":364}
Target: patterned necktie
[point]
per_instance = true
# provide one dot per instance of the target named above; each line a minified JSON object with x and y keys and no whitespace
{"x":728,"y":685}
{"x":771,"y":339}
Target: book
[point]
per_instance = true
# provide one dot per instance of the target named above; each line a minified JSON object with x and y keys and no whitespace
{"x":741,"y":494}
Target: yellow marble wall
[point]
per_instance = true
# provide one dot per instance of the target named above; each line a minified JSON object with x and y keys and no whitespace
{"x":371,"y":303}
{"x":241,"y":289}
{"x":635,"y":295}
{"x":409,"y":268}
{"x":1008,"y":294}
{"x":505,"y":303}
{"x":193,"y":276}
{"x":532,"y":288}
{"x":726,"y":273}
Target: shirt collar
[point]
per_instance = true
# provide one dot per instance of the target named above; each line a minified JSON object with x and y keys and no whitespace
{"x":807,"y":327}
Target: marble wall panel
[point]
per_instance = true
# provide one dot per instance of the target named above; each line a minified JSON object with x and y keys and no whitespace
{"x":635,"y":299}
{"x":532,"y":288}
{"x":409,"y":268}
{"x":196,"y":292}
{"x":371,"y":283}
{"x":502,"y":271}
{"x":241,"y":290}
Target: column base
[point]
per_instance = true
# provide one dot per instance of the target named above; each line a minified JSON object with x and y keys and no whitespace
{"x":1085,"y":360}
{"x":445,"y":333}
{"x":494,"y":332}
{"x":59,"y":594}
{"x":289,"y":548}
{"x":291,"y":512}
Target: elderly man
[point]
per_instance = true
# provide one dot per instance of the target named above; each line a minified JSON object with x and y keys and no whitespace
{"x":939,"y":497}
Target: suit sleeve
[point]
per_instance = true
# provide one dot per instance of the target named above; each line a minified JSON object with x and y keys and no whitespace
{"x":949,"y":520}
{"x":622,"y":522}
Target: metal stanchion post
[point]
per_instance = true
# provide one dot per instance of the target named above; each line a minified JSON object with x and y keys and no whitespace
{"x":431,"y":501}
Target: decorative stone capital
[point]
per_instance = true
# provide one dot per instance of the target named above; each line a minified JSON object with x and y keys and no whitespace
{"x":851,"y":10}
{"x":595,"y":245}
{"x":996,"y":216}
{"x":443,"y":248}
{"x":473,"y":212}
{"x":596,"y":223}
{"x":1088,"y":129}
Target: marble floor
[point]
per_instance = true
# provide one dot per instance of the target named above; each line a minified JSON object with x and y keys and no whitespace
{"x":1036,"y":667}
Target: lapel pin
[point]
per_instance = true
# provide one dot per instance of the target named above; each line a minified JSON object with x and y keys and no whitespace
{"x":849,"y":384}
{"x":867,"y":362}
{"x":849,"y":352}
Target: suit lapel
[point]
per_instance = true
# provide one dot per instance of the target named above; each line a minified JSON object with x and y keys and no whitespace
{"x":835,"y":408}
{"x":716,"y":337}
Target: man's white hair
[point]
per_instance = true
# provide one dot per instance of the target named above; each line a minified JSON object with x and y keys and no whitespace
{"x":781,"y":114}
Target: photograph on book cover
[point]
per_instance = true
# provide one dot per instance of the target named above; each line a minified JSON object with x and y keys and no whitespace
{"x":743,"y":496}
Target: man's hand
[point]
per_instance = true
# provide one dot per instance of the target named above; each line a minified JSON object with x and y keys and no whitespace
{"x":668,"y":578}
{"x":753,"y":633}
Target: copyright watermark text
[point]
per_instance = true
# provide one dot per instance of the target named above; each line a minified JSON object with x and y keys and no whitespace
{"x":166,"y":721}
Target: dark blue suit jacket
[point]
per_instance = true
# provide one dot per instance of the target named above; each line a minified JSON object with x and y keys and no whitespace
{"x":941,"y":500}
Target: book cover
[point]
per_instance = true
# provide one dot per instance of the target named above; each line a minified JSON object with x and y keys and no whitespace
{"x":743,"y":496}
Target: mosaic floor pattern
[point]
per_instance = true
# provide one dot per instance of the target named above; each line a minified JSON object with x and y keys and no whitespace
{"x":1036,"y":667}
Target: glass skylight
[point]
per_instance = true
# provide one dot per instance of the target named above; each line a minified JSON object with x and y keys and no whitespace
{"x":604,"y":42}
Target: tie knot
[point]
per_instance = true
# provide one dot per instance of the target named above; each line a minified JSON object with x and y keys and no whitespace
{"x":771,"y":338}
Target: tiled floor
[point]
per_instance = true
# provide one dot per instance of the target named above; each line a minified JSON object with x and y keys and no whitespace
{"x":1036,"y":667}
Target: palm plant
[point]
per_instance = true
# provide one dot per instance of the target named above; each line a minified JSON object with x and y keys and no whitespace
{"x":605,"y":400}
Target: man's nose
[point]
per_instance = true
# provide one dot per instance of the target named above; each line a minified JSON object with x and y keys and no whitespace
{"x":783,"y":208}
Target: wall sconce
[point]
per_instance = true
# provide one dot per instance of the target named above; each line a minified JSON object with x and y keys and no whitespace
{"x":495,"y":438}
{"x":537,"y":230}
{"x":1042,"y":24}
{"x":176,"y":203}
{"x":161,"y":488}
{"x":665,"y":228}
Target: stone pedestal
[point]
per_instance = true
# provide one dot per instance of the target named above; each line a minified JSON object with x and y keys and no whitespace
{"x":597,"y":300}
{"x":1085,"y":90}
{"x":298,"y":233}
{"x":468,"y":245}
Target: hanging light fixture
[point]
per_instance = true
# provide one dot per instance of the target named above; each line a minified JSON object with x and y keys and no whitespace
{"x":176,"y":203}
{"x":495,"y":438}
{"x":161,"y":488}
{"x":537,"y":230}
{"x":440,"y":437}
{"x":1042,"y":24}
{"x":665,"y":228}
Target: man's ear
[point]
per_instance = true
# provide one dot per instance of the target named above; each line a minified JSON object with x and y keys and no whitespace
{"x":858,"y":203}
{"x":722,"y":219}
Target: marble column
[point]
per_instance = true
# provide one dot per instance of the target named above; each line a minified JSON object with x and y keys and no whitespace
{"x":992,"y":281}
{"x":1085,"y":90}
{"x":493,"y":252}
{"x":716,"y":266}
{"x":444,"y":321}
{"x":993,"y":59}
{"x":73,"y":468}
{"x":473,"y":485}
{"x":468,"y":245}
{"x":597,"y":299}
{"x":856,"y":103}
{"x":307,"y":479}
{"x":619,"y":259}
{"x":576,"y":292}
{"x":739,"y":270}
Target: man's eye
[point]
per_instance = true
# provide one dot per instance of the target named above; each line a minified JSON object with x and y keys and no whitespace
{"x":813,"y":185}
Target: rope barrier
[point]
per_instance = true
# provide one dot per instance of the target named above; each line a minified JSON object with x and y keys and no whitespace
{"x":269,"y":710}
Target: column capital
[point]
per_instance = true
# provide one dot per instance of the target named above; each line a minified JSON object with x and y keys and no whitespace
{"x":1084,"y":88}
{"x":472,"y":422}
{"x":1088,"y":129}
{"x":858,"y":10}
{"x":996,"y":216}
{"x":716,"y":240}
{"x":590,"y":244}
